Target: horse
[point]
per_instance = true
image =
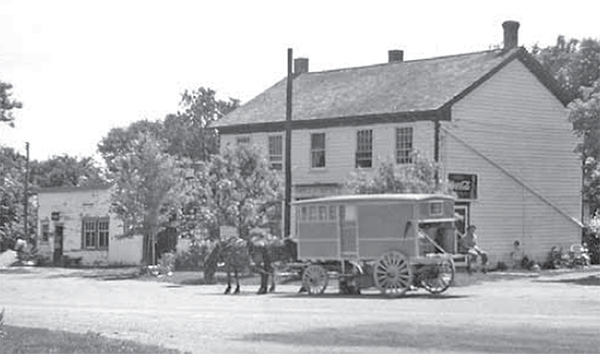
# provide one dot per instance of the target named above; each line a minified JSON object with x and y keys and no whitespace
{"x":260,"y":254}
{"x":234,"y":254}
{"x":268,"y":253}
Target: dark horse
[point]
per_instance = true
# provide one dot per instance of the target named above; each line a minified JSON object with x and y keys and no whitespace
{"x":260,"y":255}
{"x":268,"y":254}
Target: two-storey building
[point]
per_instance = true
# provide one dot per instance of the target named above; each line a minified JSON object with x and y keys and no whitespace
{"x":494,"y":120}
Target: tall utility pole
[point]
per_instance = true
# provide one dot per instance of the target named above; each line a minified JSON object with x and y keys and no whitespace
{"x":26,"y":194}
{"x":288,"y":149}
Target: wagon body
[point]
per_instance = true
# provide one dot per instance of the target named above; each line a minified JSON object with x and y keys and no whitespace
{"x":361,"y":229}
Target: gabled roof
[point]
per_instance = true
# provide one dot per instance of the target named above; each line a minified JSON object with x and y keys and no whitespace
{"x":396,"y":91}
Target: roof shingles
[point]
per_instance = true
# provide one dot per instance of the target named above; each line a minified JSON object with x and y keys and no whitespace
{"x":385,"y":89}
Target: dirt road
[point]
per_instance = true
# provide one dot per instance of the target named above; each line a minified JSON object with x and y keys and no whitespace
{"x":547,"y":314}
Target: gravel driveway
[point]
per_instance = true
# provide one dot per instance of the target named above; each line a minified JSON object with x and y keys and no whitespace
{"x":556,"y":313}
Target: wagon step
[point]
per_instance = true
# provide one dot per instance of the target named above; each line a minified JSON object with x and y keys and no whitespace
{"x":460,"y":260}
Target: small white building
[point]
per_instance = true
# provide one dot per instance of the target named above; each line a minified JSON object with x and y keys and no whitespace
{"x":494,"y":120}
{"x":76,"y":223}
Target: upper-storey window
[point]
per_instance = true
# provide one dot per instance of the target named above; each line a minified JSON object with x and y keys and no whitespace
{"x":404,"y":145}
{"x":276,"y":152}
{"x":317,"y":150}
{"x":364,"y":149}
{"x":242,"y":140}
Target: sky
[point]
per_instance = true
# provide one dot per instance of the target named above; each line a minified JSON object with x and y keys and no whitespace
{"x":83,"y":67}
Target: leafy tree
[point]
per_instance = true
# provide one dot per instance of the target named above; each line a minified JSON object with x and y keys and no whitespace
{"x":188,"y":132}
{"x":66,"y":171}
{"x":576,"y":65}
{"x":123,"y":141}
{"x":585,"y":115}
{"x":146,"y":190}
{"x":12,"y":194}
{"x":236,"y":189}
{"x":7,"y":104}
{"x":418,"y":177}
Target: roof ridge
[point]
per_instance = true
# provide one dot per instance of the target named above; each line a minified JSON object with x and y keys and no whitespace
{"x":500,"y":51}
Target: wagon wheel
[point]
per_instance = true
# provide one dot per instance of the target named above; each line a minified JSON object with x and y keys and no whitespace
{"x":314,"y":279}
{"x":439,"y":277}
{"x":392,"y":273}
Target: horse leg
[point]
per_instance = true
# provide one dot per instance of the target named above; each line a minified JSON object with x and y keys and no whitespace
{"x":228,"y":288}
{"x":237,"y":282}
{"x":272,"y":288}
{"x":264,"y":278}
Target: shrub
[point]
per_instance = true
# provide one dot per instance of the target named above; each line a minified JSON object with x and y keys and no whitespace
{"x":193,"y":259}
{"x":501,"y":266}
{"x":2,"y":324}
{"x":591,"y":237}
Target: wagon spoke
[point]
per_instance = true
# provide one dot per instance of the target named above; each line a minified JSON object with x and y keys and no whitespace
{"x":392,"y":273}
{"x":314,"y":279}
{"x":438,"y":279}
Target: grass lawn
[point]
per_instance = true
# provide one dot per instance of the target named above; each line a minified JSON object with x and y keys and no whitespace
{"x":24,"y":340}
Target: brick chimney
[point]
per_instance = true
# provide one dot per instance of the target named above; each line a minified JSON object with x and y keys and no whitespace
{"x":300,"y":66}
{"x":395,"y":55}
{"x":511,"y":34}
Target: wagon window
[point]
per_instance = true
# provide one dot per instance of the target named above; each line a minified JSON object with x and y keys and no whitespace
{"x":322,"y":213}
{"x":303,"y":214}
{"x":312,"y":213}
{"x":332,"y":213}
{"x":436,"y":208}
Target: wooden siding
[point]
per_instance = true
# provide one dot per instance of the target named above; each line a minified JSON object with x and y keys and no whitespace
{"x":517,"y":124}
{"x":340,"y":148}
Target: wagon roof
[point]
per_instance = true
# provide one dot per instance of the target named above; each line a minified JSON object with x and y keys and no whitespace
{"x":375,"y":198}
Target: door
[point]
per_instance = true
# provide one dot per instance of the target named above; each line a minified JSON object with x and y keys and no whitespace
{"x":461,"y":223}
{"x":58,"y":244}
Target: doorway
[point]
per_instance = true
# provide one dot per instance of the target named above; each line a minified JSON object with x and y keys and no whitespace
{"x":462,"y":222}
{"x":58,"y":244}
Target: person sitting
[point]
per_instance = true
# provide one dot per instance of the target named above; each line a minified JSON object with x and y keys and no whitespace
{"x":469,"y":242}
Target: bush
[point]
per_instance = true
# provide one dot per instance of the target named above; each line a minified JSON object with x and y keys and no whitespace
{"x":591,"y":238}
{"x":193,"y":259}
{"x":501,"y":266}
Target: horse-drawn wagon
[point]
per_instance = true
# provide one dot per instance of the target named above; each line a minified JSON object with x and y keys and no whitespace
{"x":394,"y":242}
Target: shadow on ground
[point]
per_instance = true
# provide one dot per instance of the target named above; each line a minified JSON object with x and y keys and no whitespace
{"x":377,"y":295}
{"x":477,"y":339}
{"x":589,"y":280}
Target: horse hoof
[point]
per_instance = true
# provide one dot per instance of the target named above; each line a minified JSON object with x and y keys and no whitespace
{"x":237,"y":291}
{"x":227,"y":291}
{"x":272,"y":289}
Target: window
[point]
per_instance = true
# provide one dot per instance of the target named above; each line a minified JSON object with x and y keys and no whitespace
{"x":364,"y":149}
{"x":404,"y":145}
{"x":95,"y":233}
{"x":332,"y":213}
{"x":436,"y":208}
{"x":276,"y":152}
{"x":45,"y":232}
{"x":317,"y":150}
{"x":242,"y":140}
